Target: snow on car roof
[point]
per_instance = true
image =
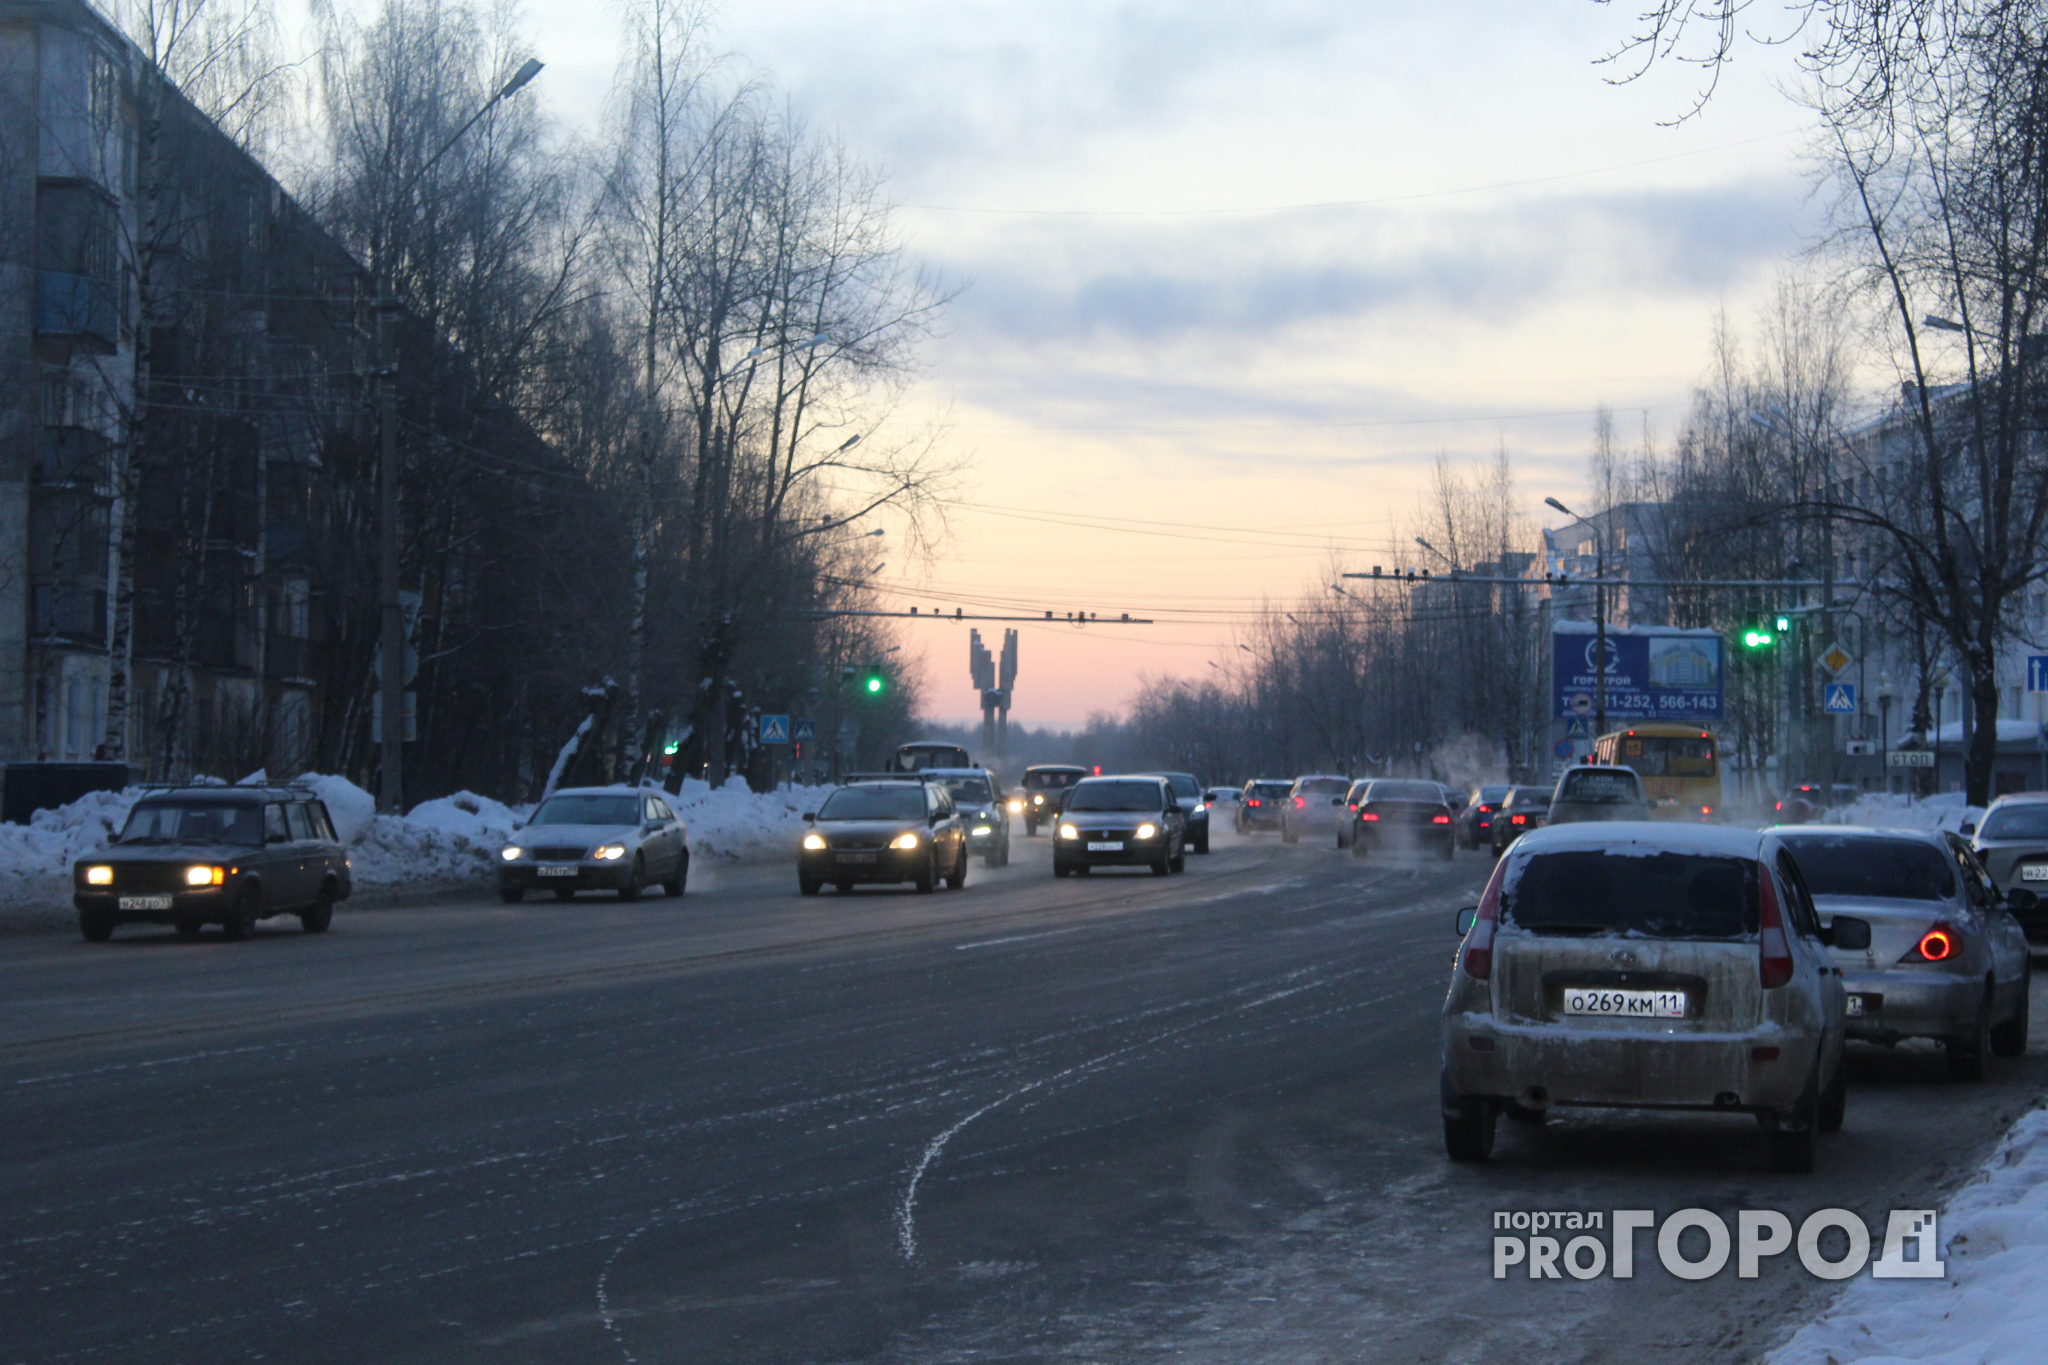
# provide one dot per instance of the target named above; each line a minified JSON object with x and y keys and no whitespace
{"x":1797,"y":832}
{"x":1643,"y":837}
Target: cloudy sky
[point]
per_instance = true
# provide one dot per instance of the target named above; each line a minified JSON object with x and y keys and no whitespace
{"x":1234,"y":275}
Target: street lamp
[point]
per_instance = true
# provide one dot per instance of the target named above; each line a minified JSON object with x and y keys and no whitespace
{"x":1438,"y":553}
{"x":1884,"y":732}
{"x":1599,"y":617}
{"x":391,"y":664}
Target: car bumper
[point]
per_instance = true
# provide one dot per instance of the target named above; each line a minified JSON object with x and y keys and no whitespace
{"x":1903,"y":1003}
{"x":1134,"y":853}
{"x":1487,"y":1058}
{"x":889,"y":865}
{"x":585,"y":876}
{"x":210,"y":904}
{"x":1403,"y":836}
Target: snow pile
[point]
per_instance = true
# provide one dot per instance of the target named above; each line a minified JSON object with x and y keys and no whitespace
{"x":36,"y":858}
{"x":1894,"y":810}
{"x":1992,"y":1309}
{"x":736,"y":824}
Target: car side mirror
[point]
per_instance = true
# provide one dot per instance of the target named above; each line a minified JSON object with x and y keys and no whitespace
{"x":1336,"y":800}
{"x":810,"y":817}
{"x":936,"y":816}
{"x":2019,"y":898}
{"x":1467,"y":917}
{"x":1848,"y":932}
{"x":1969,"y":827}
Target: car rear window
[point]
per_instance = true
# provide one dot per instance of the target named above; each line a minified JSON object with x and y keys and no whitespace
{"x":1405,"y":791}
{"x":1604,"y":787}
{"x":2017,"y":822}
{"x":1527,"y":798}
{"x":1322,"y":786}
{"x":1047,"y":781}
{"x":1493,"y":793}
{"x":1657,"y":895}
{"x":1270,"y":790}
{"x":1905,"y":869}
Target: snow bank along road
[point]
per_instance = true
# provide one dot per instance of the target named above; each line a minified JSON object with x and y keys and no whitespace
{"x":1094,"y":1119}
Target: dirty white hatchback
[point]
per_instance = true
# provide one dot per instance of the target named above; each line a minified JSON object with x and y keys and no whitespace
{"x":1651,"y":966}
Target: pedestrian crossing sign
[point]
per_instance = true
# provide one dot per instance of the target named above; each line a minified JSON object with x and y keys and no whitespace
{"x":1839,"y":699}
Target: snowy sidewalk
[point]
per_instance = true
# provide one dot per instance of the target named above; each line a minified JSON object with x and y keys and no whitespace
{"x":1992,"y":1309}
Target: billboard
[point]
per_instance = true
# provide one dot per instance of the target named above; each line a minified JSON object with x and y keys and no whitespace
{"x":1651,"y":675}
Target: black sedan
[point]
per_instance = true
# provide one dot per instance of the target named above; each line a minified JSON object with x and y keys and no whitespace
{"x":1120,"y":821}
{"x":1475,"y":823}
{"x":906,"y":831}
{"x":1524,"y":809}
{"x":1405,"y":816}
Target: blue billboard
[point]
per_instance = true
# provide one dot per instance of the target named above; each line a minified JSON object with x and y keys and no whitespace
{"x":1671,"y":675}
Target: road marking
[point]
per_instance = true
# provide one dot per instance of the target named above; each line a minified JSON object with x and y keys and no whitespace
{"x":1018,"y":938}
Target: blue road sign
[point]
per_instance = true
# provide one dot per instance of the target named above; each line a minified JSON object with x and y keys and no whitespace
{"x":775,"y":729}
{"x":803,"y":731}
{"x":2037,"y":673}
{"x":1839,"y":699}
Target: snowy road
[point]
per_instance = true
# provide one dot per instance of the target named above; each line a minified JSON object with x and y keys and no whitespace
{"x":1100,"y":1119}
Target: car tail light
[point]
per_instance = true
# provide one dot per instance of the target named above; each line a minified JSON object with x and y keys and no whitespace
{"x":1354,"y":805}
{"x":1440,"y":819}
{"x":1486,"y":810}
{"x":1253,"y":802}
{"x":1518,"y":819}
{"x":1774,"y":949}
{"x":1779,"y":806}
{"x":1300,"y":802}
{"x":1367,"y":815}
{"x":1936,"y":945}
{"x":1477,"y":959}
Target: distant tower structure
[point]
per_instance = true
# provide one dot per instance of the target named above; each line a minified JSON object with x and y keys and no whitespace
{"x":994,"y":687}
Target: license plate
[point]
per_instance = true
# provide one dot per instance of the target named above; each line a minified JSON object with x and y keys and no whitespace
{"x":145,"y":902}
{"x":856,"y":857}
{"x":1625,"y":1004}
{"x":1106,"y":846}
{"x":2034,"y":872}
{"x":555,"y":872}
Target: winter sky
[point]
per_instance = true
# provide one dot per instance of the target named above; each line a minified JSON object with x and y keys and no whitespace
{"x":1237,"y":273}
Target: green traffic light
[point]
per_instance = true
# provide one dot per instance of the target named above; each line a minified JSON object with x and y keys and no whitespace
{"x":874,"y":686}
{"x":1784,"y":624}
{"x":1756,"y":637}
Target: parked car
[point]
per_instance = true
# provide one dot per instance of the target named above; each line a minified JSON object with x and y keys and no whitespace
{"x":1314,"y":807}
{"x":1525,"y":809}
{"x":1263,"y":801}
{"x":979,"y":798}
{"x":883,"y":831}
{"x":1040,"y":792}
{"x":618,"y":839}
{"x":1129,"y":821}
{"x":1647,"y":965}
{"x":1593,"y":792}
{"x":2012,"y":841}
{"x":232,"y":856}
{"x":1403,"y":816}
{"x":1475,"y":822}
{"x":1946,"y":959}
{"x":1193,"y":808}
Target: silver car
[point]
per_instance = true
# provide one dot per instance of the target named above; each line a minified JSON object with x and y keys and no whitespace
{"x":1315,"y":807}
{"x":1646,"y":966}
{"x":1946,"y":959}
{"x":2012,"y":843}
{"x":596,"y":839}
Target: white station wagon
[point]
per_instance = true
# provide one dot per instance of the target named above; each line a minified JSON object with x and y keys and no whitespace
{"x":1647,"y":966}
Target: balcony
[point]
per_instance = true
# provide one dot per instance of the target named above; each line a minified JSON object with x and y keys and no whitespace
{"x":74,"y":458}
{"x":77,"y":306}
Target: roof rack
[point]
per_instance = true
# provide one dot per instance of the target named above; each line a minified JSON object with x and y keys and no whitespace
{"x":918,"y":776}
{"x":215,"y":788}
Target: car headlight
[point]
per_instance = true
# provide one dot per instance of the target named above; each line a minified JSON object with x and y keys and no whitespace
{"x":1037,"y":800}
{"x":814,"y":842}
{"x":610,"y":853}
{"x":904,"y":841}
{"x":983,"y":831}
{"x":1147,"y":831}
{"x":1069,"y":832}
{"x":99,"y":876}
{"x":1016,"y":807}
{"x":203,"y":876}
{"x":510,"y":851}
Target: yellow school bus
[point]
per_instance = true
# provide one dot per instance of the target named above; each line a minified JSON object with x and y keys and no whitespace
{"x":1678,"y":764}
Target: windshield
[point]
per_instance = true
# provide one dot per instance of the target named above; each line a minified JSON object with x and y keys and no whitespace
{"x":1668,"y":755}
{"x":1322,"y":786}
{"x":1659,"y":895}
{"x":1405,"y":791}
{"x":1047,"y":781}
{"x":968,"y":790}
{"x":1115,"y":796}
{"x":1844,"y":866}
{"x":904,"y":802}
{"x":1603,"y":788}
{"x":211,"y":823}
{"x":2017,"y":822}
{"x":588,"y":810}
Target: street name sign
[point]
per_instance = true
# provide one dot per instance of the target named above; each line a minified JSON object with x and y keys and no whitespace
{"x":1910,"y":758}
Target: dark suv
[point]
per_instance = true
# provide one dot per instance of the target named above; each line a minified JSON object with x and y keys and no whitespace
{"x":192,"y":856}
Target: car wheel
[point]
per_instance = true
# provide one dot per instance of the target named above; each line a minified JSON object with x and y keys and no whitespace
{"x":241,"y":920}
{"x":927,"y":877}
{"x":316,"y":920}
{"x":1179,"y":862}
{"x":807,"y":885}
{"x":636,"y":883}
{"x":1794,"y":1136}
{"x":2009,"y":1039}
{"x":1202,"y":846}
{"x":1967,"y":1056}
{"x":1163,"y":864}
{"x":1468,"y":1124}
{"x":957,"y":878}
{"x":1834,"y":1101}
{"x":511,"y":895}
{"x":96,"y":925}
{"x":674,"y":885}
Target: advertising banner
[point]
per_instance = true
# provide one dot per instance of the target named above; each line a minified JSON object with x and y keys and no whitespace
{"x":1650,"y":675}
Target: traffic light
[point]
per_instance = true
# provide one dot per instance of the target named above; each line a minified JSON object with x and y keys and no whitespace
{"x":1784,"y":624}
{"x":874,"y":682}
{"x":1756,"y":635}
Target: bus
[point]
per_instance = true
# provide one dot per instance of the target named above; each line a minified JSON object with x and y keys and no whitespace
{"x":1679,"y":766}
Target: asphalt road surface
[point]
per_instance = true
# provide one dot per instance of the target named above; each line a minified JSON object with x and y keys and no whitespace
{"x":1105,"y":1119}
